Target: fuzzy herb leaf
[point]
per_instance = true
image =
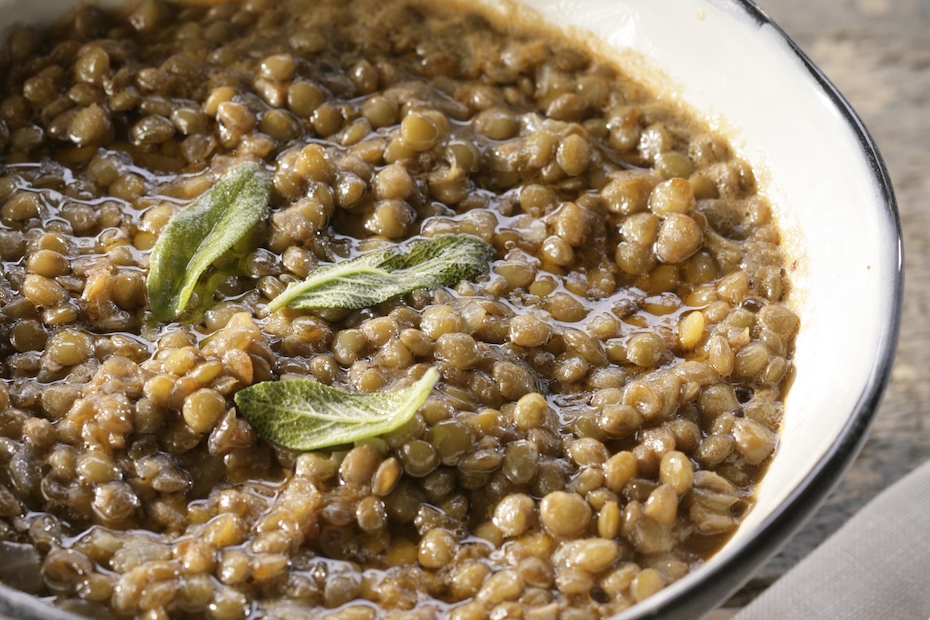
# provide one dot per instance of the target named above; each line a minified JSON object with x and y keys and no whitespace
{"x":375,"y":277}
{"x":301,"y":414}
{"x":201,"y":233}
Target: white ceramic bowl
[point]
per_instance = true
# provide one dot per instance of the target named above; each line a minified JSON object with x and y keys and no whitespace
{"x":832,"y":195}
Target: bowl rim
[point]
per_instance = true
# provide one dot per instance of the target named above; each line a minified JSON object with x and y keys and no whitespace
{"x":735,"y":565}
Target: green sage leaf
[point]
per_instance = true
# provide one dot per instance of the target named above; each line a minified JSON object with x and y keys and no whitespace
{"x":301,"y":414}
{"x":201,"y":233}
{"x":375,"y":277}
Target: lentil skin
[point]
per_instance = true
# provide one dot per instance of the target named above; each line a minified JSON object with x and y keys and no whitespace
{"x":611,"y":390}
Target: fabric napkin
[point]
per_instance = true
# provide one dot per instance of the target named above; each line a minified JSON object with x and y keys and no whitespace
{"x":876,"y":567}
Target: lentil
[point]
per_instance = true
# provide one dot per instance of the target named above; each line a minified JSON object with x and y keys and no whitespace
{"x":610,"y":391}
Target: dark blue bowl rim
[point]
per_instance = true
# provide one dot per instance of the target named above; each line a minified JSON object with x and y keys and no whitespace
{"x":711,"y":585}
{"x":708,"y":587}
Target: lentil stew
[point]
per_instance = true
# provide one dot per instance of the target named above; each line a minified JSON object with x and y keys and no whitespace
{"x":609,"y":393}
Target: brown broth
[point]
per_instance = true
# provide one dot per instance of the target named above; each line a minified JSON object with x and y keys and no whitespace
{"x":610,"y":392}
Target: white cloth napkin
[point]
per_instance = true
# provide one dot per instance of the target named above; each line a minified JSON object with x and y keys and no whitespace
{"x":876,"y":567}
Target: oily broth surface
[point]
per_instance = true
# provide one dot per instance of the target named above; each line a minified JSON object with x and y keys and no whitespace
{"x":610,"y":392}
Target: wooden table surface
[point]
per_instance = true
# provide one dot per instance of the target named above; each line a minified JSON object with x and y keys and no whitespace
{"x":877,"y":52}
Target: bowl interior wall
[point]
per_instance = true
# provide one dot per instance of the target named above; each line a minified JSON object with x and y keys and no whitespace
{"x":841,"y":243}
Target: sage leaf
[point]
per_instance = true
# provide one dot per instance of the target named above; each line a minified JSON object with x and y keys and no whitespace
{"x":201,"y":233}
{"x":375,"y":277}
{"x":302,"y":414}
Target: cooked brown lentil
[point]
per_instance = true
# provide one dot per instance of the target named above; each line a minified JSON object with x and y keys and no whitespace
{"x":610,"y":393}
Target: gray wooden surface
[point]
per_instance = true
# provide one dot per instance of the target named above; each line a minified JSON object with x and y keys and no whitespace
{"x":877,"y":52}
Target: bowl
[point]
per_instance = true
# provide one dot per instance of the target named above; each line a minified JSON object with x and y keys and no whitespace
{"x":817,"y":164}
